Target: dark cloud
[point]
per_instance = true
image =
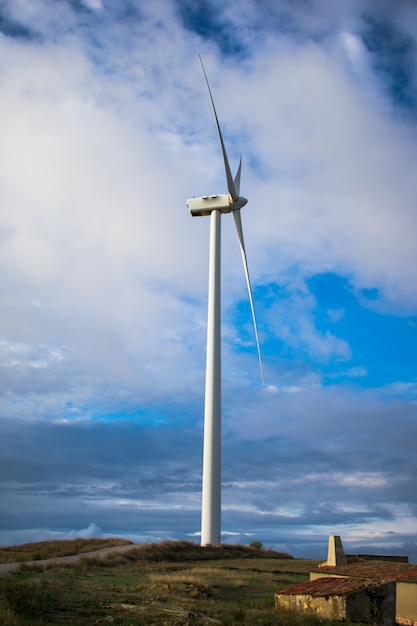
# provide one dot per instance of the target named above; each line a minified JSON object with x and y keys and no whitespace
{"x":394,"y":58}
{"x":205,"y":19}
{"x":130,"y":477}
{"x":12,"y":28}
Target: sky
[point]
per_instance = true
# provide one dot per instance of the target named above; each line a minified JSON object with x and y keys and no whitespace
{"x":106,"y":129}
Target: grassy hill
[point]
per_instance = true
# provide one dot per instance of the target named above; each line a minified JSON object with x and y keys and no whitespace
{"x":172,"y":582}
{"x":55,"y":549}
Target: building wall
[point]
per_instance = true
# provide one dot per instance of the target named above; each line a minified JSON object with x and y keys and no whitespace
{"x":328,"y":608}
{"x":374,"y":605}
{"x":407,"y":603}
{"x":358,"y":608}
{"x":315,"y":575}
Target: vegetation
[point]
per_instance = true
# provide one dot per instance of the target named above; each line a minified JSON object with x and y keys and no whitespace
{"x":56,"y":549}
{"x":173,"y":582}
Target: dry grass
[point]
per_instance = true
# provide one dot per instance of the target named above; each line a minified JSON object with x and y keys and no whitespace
{"x":55,"y":549}
{"x":197,"y":580}
{"x":170,"y":583}
{"x":7,"y":616}
{"x":170,"y":551}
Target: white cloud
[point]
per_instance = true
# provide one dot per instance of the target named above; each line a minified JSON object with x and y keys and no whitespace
{"x":337,"y":182}
{"x":357,"y":54}
{"x":91,"y":531}
{"x":106,"y":130}
{"x":94,"y":5}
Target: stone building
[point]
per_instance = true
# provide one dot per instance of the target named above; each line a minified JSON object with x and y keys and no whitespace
{"x":359,"y":588}
{"x":404,"y":575}
{"x":342,"y":599}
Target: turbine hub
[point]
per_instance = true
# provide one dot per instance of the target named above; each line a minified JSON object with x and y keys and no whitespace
{"x":239,"y":203}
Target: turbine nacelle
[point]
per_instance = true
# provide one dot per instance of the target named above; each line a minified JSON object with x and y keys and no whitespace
{"x":220,"y":202}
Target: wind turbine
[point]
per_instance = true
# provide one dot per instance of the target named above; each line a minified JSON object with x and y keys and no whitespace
{"x":214,"y":206}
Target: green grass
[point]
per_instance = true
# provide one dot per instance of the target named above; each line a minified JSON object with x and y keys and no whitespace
{"x":156,"y":584}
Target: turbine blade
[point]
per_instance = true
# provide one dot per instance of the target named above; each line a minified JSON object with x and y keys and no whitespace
{"x":230,"y":182}
{"x":237,"y":177}
{"x":238,"y":222}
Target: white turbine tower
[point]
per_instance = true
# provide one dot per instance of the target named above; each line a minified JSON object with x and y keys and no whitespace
{"x":214,"y":206}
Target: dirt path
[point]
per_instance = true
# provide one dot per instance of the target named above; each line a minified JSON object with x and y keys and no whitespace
{"x":5,"y":568}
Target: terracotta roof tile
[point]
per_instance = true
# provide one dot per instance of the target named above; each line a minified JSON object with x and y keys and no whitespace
{"x":329,"y":586}
{"x":375,"y":570}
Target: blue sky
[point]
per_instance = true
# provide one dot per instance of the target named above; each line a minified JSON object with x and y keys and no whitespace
{"x":106,"y":130}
